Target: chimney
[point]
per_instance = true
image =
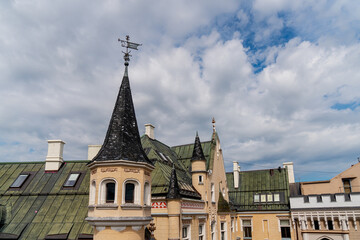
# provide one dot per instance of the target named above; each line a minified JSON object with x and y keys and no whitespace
{"x":149,"y":130}
{"x":93,"y":150}
{"x":236,"y":170}
{"x":290,"y":169}
{"x":54,"y":157}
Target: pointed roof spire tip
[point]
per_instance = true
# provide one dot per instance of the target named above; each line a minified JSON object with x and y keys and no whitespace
{"x":198,"y":153}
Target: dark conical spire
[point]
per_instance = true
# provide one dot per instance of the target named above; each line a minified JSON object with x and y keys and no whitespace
{"x":174,"y":189}
{"x":122,"y":140}
{"x":198,"y":153}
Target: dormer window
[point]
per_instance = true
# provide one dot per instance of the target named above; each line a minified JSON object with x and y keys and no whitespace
{"x":71,"y":180}
{"x":19,"y":181}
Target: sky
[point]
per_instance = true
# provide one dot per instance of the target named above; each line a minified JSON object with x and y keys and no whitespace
{"x":281,"y":78}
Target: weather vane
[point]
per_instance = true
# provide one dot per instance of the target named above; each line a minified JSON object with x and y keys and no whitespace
{"x":127,"y":44}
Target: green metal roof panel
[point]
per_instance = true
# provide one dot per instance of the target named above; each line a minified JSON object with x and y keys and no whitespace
{"x":43,"y":207}
{"x":259,"y":182}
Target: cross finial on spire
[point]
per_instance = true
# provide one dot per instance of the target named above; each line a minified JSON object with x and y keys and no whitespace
{"x":127,"y":44}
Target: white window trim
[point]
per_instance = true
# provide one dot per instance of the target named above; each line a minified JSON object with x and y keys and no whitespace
{"x":147,"y":194}
{"x":188,"y":226}
{"x":279,"y":223}
{"x":242,"y":225}
{"x":137,"y":193}
{"x":92,"y":194}
{"x":102,"y":190}
{"x":203,"y":230}
{"x":225,"y":230}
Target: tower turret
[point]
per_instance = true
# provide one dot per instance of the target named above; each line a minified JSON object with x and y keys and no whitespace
{"x":198,"y":167}
{"x":120,"y":181}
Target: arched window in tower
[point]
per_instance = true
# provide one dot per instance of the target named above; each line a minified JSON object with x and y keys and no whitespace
{"x":108,"y":191}
{"x":131,"y":192}
{"x":147,"y":194}
{"x":92,"y":193}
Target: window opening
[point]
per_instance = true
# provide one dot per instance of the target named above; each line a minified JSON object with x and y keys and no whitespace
{"x":316,"y":225}
{"x":269,"y":197}
{"x":110,"y":192}
{"x":277,"y":197}
{"x":223,"y":230}
{"x":213,"y":231}
{"x":201,"y":232}
{"x":330,"y":225}
{"x":72,"y":179}
{"x":147,"y":194}
{"x":19,"y":181}
{"x":285,"y":229}
{"x":347,"y":185}
{"x":200,"y":179}
{"x":186,"y":232}
{"x":247,"y":229}
{"x":256,"y":198}
{"x":129,"y":192}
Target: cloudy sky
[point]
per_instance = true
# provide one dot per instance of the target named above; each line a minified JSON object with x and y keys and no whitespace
{"x":281,"y":78}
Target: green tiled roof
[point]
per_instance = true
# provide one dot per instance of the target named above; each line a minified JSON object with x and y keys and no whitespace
{"x":184,"y":153}
{"x":43,"y":208}
{"x":257,"y":182}
{"x":164,"y":158}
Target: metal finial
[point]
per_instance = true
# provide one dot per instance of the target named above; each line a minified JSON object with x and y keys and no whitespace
{"x":127,"y":44}
{"x":213,"y":123}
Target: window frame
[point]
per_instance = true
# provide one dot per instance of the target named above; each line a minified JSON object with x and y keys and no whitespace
{"x":188,"y":232}
{"x":202,"y":234}
{"x":243,"y":226}
{"x":347,"y":187}
{"x":137,"y":193}
{"x":103,"y":192}
{"x":147,"y":194}
{"x":287,"y":226}
{"x":77,"y":183}
{"x":92,"y":193}
{"x":223,"y":232}
{"x":25,"y":183}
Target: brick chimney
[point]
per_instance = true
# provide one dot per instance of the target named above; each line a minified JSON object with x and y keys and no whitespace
{"x":54,"y":158}
{"x":149,"y":130}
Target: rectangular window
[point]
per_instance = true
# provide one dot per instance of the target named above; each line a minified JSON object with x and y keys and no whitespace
{"x":347,"y":185}
{"x":256,"y":198}
{"x":212,"y":192}
{"x":232,"y":225}
{"x":19,"y":181}
{"x":246,"y":224}
{"x":223,"y":230}
{"x":316,"y":225}
{"x":201,"y":232}
{"x":263,"y":197}
{"x":213,"y":231}
{"x":186,"y":233}
{"x":200,"y":179}
{"x":330,"y":224}
{"x":285,"y":229}
{"x":71,"y":180}
{"x":270,"y":197}
{"x":276,"y":197}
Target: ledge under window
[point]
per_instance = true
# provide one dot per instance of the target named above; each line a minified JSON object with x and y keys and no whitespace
{"x":106,"y":206}
{"x":131,"y":206}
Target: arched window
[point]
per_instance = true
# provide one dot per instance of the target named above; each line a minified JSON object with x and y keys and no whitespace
{"x":147,"y":194}
{"x":131,"y":192}
{"x":108,"y":191}
{"x":92,"y":193}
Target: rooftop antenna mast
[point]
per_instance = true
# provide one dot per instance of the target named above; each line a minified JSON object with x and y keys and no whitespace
{"x":128,"y":45}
